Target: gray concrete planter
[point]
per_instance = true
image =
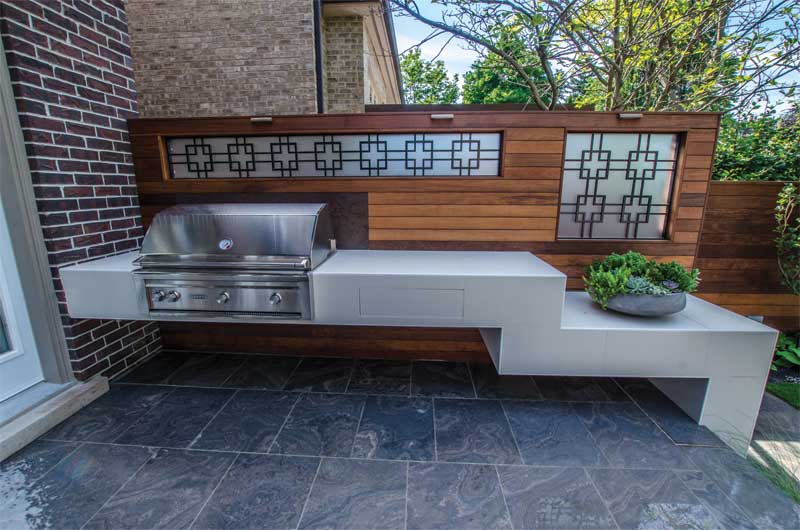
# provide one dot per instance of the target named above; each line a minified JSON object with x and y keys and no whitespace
{"x":647,"y":305}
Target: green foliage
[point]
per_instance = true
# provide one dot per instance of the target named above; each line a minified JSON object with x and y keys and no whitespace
{"x":632,"y":273}
{"x":787,"y":218}
{"x":602,"y":285}
{"x":654,"y":55}
{"x":787,"y":352}
{"x":427,"y":82}
{"x":492,"y":80}
{"x":763,"y":146}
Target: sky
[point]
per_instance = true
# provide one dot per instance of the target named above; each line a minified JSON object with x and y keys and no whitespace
{"x":409,"y":32}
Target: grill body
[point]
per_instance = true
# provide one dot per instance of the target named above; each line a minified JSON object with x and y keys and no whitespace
{"x":233,"y":261}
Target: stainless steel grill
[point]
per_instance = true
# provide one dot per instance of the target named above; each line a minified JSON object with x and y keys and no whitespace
{"x":240,"y":261}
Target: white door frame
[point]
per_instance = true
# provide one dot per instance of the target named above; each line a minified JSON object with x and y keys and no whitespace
{"x":16,"y":194}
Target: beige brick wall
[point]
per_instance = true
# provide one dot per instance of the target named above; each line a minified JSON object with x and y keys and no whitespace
{"x":223,"y":57}
{"x":343,"y":52}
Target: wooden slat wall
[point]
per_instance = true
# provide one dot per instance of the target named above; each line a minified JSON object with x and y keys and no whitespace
{"x":515,"y":211}
{"x":736,"y":253}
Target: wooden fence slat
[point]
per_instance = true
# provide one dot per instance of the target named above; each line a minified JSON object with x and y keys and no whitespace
{"x":381,"y":210}
{"x":542,"y":199}
{"x":480,"y":223}
{"x":460,"y":235}
{"x":543,"y":134}
{"x":535,"y":147}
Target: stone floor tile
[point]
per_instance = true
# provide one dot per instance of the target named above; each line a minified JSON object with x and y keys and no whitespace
{"x":727,"y":513}
{"x":357,"y":494}
{"x":378,"y":376}
{"x":177,"y":419}
{"x":652,"y":499}
{"x":205,"y":370}
{"x":396,"y":428}
{"x":441,"y":379}
{"x":553,"y":498}
{"x":488,"y":384}
{"x":477,"y":431}
{"x":260,"y":491}
{"x":157,"y":369}
{"x":67,"y":495}
{"x":455,"y":497}
{"x":628,"y":438}
{"x":248,"y":422}
{"x":551,"y":433}
{"x":269,"y":372}
{"x":321,"y":375}
{"x":764,"y":503}
{"x":106,"y":418}
{"x":670,"y":418}
{"x":168,"y":492}
{"x":321,"y":425}
{"x":557,"y":388}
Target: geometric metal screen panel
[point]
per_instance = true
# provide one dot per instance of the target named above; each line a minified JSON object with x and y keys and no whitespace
{"x":336,"y":155}
{"x":617,"y":185}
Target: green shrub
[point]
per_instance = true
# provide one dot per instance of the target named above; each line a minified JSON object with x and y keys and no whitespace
{"x":632,"y":273}
{"x":787,"y":352}
{"x":763,"y":146}
{"x":787,"y":229}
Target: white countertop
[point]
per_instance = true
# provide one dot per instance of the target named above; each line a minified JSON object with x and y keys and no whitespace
{"x":118,"y":263}
{"x":580,"y":312}
{"x":436,"y":263}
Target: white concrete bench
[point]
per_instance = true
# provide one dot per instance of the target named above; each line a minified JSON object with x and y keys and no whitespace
{"x":709,"y":361}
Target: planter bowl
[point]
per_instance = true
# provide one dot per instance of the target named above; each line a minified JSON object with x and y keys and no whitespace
{"x":647,"y":305}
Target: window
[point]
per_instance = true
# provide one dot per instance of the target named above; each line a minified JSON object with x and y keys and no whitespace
{"x":617,"y":185}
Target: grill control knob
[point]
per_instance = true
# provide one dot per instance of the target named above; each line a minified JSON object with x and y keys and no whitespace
{"x":173,"y":296}
{"x":275,"y":299}
{"x":159,"y":295}
{"x":223,"y":297}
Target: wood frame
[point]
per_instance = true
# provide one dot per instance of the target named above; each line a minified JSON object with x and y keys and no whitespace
{"x":521,"y":204}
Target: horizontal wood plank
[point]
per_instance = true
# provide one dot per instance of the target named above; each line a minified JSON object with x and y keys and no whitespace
{"x":535,"y":147}
{"x":460,"y":235}
{"x":532,"y":160}
{"x":480,"y":223}
{"x":701,"y":135}
{"x":540,"y":134}
{"x":385,"y":210}
{"x":541,"y":199}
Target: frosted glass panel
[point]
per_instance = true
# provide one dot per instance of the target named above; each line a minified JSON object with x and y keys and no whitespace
{"x":338,"y":155}
{"x":617,"y":185}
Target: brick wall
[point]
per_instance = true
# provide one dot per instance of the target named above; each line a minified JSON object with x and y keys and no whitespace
{"x":223,"y":57}
{"x":343,"y":44}
{"x":70,"y":66}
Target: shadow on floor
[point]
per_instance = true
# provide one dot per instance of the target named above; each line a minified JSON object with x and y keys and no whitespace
{"x":247,"y":441}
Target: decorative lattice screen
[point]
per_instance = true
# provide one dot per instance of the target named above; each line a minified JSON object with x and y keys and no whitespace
{"x":617,"y":185}
{"x":336,"y":155}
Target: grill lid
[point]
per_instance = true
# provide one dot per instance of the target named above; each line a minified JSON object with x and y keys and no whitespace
{"x":253,"y":236}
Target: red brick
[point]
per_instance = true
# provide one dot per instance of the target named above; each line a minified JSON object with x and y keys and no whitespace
{"x":78,"y":191}
{"x":60,"y":86}
{"x":80,"y":217}
{"x":50,"y":29}
{"x":38,"y":122}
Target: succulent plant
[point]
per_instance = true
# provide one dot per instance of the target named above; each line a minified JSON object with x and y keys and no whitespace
{"x":671,"y":285}
{"x":639,"y":285}
{"x":633,"y":273}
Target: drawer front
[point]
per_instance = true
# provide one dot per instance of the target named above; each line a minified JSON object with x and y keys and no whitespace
{"x":408,"y":303}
